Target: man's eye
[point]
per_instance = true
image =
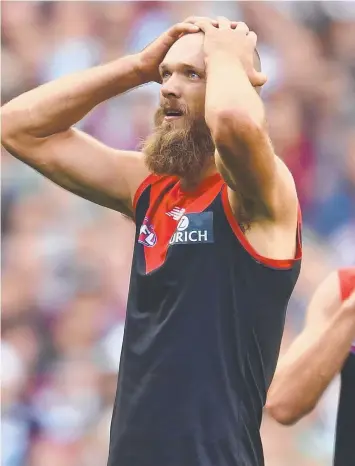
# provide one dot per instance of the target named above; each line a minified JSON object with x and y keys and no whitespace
{"x":192,"y":74}
{"x":165,"y":74}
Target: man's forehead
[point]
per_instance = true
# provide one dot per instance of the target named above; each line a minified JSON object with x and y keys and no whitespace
{"x":188,"y":49}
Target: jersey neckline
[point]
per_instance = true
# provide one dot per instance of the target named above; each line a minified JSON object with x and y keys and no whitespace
{"x":202,"y":186}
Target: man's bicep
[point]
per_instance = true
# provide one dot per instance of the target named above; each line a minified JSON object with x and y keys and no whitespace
{"x":88,"y":168}
{"x":101,"y":174}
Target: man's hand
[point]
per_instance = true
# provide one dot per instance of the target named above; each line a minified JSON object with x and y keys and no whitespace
{"x":214,"y":22}
{"x":151,"y":57}
{"x":233,"y":39}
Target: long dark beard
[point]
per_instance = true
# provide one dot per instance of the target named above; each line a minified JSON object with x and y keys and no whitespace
{"x":178,"y":151}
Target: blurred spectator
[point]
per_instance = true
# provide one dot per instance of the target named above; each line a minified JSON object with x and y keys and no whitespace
{"x":66,"y":262}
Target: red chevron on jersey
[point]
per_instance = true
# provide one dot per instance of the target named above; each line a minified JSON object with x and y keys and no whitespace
{"x":168,"y":205}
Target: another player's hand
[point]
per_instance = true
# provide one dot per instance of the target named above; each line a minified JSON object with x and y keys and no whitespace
{"x":151,"y":57}
{"x":233,"y":39}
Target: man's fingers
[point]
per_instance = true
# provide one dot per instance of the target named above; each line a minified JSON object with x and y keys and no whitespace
{"x":258,"y":79}
{"x":253,"y":38}
{"x":214,"y":22}
{"x":223,"y":22}
{"x":196,"y":19}
{"x":242,"y":27}
{"x":182,"y":28}
{"x":174,"y":33}
{"x":205,"y":25}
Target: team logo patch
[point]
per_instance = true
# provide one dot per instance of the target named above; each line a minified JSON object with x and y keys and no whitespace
{"x":147,"y":235}
{"x":194,"y":228}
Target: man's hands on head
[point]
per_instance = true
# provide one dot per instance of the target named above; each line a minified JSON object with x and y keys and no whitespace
{"x":221,"y":36}
{"x":74,"y":160}
{"x":205,"y":19}
{"x":233,"y":39}
{"x":150,"y":58}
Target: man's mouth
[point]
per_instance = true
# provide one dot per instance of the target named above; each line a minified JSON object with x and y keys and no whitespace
{"x":172,"y":114}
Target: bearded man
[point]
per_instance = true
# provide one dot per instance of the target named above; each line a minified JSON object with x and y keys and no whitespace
{"x":217,"y":248}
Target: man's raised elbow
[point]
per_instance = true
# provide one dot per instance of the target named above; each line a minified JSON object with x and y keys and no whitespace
{"x":10,"y":127}
{"x":16,"y":134}
{"x":281,"y":414}
{"x":286,"y":413}
{"x":5,"y":116}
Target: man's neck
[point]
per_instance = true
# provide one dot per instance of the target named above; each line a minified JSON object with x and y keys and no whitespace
{"x":189,"y":185}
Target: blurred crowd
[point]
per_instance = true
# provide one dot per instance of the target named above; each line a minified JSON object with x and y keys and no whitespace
{"x":66,"y":262}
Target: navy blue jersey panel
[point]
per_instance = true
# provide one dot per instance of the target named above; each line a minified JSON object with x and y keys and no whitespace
{"x":201,"y":342}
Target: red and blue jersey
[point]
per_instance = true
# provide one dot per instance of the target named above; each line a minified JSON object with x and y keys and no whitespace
{"x":345,"y":430}
{"x":204,"y":322}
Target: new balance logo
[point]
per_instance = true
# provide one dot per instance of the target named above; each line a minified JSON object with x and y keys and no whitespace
{"x":176,"y":213}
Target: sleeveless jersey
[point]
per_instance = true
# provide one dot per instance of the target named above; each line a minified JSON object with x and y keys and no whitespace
{"x":345,"y":430}
{"x":204,"y":322}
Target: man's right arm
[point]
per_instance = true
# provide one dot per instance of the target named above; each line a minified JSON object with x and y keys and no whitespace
{"x":37,"y":129}
{"x":315,"y":357}
{"x":37,"y":126}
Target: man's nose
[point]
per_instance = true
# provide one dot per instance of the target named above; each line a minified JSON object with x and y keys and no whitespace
{"x":171,"y":88}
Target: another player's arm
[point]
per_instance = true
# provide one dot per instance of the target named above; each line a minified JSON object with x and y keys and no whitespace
{"x":37,"y":127}
{"x":235,"y":115}
{"x":315,"y":357}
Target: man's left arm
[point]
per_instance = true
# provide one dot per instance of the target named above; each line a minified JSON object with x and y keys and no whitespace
{"x":235,"y":114}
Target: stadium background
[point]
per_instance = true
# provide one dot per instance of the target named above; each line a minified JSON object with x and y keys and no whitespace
{"x":66,"y":262}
